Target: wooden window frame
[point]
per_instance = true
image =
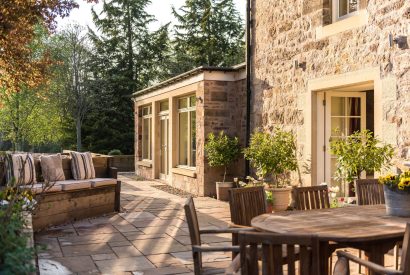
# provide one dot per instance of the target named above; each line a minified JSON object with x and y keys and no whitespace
{"x":335,"y":11}
{"x":144,"y":119}
{"x":188,"y":110}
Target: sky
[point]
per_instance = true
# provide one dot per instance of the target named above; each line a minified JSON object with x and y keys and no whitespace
{"x":161,"y":9}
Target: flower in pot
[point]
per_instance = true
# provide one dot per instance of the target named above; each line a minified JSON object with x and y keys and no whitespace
{"x":358,"y":153}
{"x":397,"y":194}
{"x":221,"y":151}
{"x":274,"y":155}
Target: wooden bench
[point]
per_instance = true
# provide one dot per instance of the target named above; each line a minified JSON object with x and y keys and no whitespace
{"x":72,"y":200}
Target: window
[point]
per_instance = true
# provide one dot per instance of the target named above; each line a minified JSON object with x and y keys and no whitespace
{"x":344,"y":8}
{"x":187,"y":131}
{"x":146,"y":132}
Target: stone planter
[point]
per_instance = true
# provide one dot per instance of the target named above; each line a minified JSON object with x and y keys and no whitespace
{"x":281,"y":198}
{"x":397,"y":203}
{"x":222,"y":188}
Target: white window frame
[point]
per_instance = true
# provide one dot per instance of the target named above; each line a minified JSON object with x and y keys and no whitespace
{"x":144,"y":118}
{"x":335,"y":12}
{"x":189,"y":151}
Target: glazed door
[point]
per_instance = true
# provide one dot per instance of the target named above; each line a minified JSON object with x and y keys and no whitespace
{"x":345,"y":113}
{"x":164,"y":172}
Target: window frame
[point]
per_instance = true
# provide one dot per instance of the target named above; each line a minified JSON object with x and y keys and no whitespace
{"x":144,"y":118}
{"x":188,"y":110}
{"x":335,"y":12}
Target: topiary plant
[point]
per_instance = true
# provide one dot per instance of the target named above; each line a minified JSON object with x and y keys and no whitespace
{"x":115,"y":152}
{"x":272,"y":154}
{"x":221,"y":150}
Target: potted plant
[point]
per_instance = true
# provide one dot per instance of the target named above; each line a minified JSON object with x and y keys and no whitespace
{"x":397,"y":194}
{"x":358,"y":153}
{"x":222,"y":150}
{"x":274,"y":157}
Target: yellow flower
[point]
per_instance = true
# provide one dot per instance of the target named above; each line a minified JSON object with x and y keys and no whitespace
{"x":401,"y":186}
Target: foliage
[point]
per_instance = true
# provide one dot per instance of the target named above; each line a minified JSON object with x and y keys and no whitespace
{"x":272,"y":154}
{"x":19,"y":19}
{"x":115,"y":152}
{"x":396,"y":182}
{"x":208,"y":32}
{"x":269,"y":197}
{"x":359,"y":152}
{"x":221,"y":150}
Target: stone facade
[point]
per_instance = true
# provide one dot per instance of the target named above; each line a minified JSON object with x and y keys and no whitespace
{"x":220,"y":105}
{"x":285,"y":31}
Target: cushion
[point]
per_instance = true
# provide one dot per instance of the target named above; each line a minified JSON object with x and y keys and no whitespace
{"x":38,"y":188}
{"x":74,"y":184}
{"x":52,"y":168}
{"x":82,"y":166}
{"x":102,"y":182}
{"x":21,"y":168}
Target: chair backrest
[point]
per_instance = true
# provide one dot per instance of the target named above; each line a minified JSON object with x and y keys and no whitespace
{"x":369,"y":192}
{"x":312,"y":197}
{"x":296,"y":253}
{"x":192,"y":220}
{"x":246,"y":203}
{"x":405,"y":256}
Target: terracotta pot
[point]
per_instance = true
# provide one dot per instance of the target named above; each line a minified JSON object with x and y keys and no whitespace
{"x":269,"y":208}
{"x":397,"y":203}
{"x":222,"y":188}
{"x":281,"y":198}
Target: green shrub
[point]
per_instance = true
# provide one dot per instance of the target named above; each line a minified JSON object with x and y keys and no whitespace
{"x":221,"y":150}
{"x":272,"y":154}
{"x":359,"y":152}
{"x":114,"y":152}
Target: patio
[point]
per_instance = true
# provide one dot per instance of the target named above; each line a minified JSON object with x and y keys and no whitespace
{"x":148,"y":237}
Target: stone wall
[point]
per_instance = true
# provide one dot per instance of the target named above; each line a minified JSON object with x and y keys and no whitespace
{"x":285,"y":31}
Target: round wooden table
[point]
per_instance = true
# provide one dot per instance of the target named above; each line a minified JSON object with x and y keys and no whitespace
{"x":363,"y":227}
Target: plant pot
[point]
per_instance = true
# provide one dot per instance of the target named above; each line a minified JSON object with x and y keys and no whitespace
{"x":222,"y":188}
{"x":269,"y":207}
{"x":397,"y":202}
{"x":281,"y":198}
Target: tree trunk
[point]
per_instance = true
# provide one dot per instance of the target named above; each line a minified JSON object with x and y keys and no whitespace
{"x":78,"y":130}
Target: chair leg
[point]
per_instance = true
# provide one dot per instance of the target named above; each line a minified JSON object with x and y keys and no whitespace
{"x":396,"y":256}
{"x":197,"y":262}
{"x":360,"y":266}
{"x":330,"y":272}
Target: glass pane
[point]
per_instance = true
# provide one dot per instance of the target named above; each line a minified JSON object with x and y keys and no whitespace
{"x":146,"y":111}
{"x":193,"y":138}
{"x":353,"y":106}
{"x":353,"y":6}
{"x":163,"y":145}
{"x":353,"y":125}
{"x":183,"y":138}
{"x":164,"y":106}
{"x":145,"y":138}
{"x":338,"y":106}
{"x":192,"y":101}
{"x":337,"y":126}
{"x":343,"y":7}
{"x":183,"y":103}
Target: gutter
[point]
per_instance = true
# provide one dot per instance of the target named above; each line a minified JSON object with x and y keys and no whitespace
{"x":248,"y":78}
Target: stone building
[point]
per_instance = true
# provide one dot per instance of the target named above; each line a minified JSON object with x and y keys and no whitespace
{"x":173,"y":118}
{"x":323,"y":68}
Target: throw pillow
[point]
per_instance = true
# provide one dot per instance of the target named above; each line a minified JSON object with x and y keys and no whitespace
{"x":82,"y":166}
{"x":52,"y":168}
{"x":21,"y":168}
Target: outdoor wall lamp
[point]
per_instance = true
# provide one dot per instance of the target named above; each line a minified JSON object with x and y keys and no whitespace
{"x":400,"y":41}
{"x":200,"y":99}
{"x":301,"y":65}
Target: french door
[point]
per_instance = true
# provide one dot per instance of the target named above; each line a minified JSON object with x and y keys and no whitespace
{"x":345,"y":113}
{"x":164,"y":139}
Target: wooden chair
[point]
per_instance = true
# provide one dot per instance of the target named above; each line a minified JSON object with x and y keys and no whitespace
{"x":312,"y":197}
{"x":369,"y":192}
{"x":195,"y":235}
{"x":342,"y":264}
{"x":275,"y":257}
{"x":246,"y":203}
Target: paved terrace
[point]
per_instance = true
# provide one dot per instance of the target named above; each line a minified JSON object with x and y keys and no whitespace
{"x":150,"y":236}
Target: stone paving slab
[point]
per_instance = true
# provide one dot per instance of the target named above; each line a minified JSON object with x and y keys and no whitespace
{"x":149,"y":236}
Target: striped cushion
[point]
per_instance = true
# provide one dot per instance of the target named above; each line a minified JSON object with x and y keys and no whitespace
{"x":20,"y":167}
{"x":82,"y":166}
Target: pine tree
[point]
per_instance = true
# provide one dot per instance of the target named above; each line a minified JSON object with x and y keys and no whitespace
{"x":209,"y":32}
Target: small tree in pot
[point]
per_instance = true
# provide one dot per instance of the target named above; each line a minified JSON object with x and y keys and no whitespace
{"x":221,"y":151}
{"x":358,"y":153}
{"x":274,"y":155}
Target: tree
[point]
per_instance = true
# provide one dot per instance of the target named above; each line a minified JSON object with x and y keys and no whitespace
{"x":209,"y":32}
{"x":18,"y":21}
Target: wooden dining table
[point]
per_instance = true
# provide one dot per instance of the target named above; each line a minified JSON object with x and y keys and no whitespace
{"x":368,"y":228}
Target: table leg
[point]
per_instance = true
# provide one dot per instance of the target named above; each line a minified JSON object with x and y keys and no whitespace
{"x":375,"y":255}
{"x":324,"y":258}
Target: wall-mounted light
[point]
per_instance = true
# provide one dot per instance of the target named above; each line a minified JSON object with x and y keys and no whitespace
{"x":301,"y":65}
{"x":400,"y":41}
{"x":200,"y":99}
